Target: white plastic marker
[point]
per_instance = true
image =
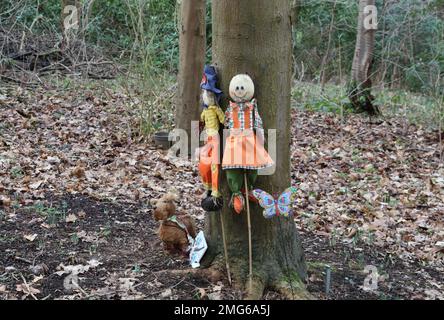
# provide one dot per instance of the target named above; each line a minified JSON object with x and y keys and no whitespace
{"x":198,"y":249}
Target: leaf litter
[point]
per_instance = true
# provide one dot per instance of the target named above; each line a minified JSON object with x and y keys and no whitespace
{"x":368,"y":193}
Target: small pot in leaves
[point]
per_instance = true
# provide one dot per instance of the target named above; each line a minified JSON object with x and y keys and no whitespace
{"x":161,"y":140}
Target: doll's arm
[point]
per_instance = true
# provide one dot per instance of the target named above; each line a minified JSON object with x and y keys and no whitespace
{"x":227,"y":117}
{"x":258,"y":125}
{"x":220,"y":115}
{"x":202,"y":122}
{"x":257,"y":118}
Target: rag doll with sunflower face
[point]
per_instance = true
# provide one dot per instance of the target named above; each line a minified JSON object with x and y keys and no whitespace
{"x":244,"y":151}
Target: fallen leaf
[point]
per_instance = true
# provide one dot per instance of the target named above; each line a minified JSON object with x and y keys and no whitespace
{"x":127,"y":284}
{"x":167,"y":293}
{"x":30,"y":237}
{"x":36,"y":185}
{"x":215,"y":295}
{"x":77,"y":269}
{"x":5,"y":201}
{"x":45,"y":225}
{"x":440,"y":245}
{"x":81,"y":214}
{"x":78,"y":172}
{"x":26,"y":289}
{"x":71,"y":218}
{"x":93,"y":263}
{"x":37,"y":279}
{"x":202,"y":293}
{"x":352,"y":232}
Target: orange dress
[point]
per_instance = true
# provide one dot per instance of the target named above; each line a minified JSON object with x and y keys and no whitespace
{"x":243,"y":150}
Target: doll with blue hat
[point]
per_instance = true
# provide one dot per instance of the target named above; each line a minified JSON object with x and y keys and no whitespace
{"x":209,"y":161}
{"x":212,"y":117}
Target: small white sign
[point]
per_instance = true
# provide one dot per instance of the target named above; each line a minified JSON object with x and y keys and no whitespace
{"x":198,"y":249}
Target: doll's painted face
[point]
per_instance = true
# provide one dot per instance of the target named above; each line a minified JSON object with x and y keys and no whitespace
{"x":241,"y":88}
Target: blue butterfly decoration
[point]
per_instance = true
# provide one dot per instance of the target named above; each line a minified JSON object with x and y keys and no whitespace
{"x":276,"y":207}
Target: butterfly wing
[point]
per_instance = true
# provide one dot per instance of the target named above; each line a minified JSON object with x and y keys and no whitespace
{"x":288,"y":196}
{"x":266,"y":201}
{"x":285,"y":201}
{"x":285,"y":210}
{"x":270,"y":212}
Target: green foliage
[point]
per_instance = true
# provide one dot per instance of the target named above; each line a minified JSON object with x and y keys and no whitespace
{"x":110,"y":25}
{"x":412,"y":40}
{"x":409,"y":53}
{"x":53,"y":215}
{"x":29,"y":10}
{"x":16,"y":173}
{"x":312,"y":32}
{"x":159,"y":36}
{"x":426,"y":110}
{"x":409,"y":50}
{"x":313,"y":98}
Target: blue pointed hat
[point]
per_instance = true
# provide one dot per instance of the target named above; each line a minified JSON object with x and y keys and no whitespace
{"x":209,"y":80}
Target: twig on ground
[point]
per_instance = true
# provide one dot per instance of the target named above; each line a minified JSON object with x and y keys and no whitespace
{"x":23,"y":260}
{"x":27,"y":287}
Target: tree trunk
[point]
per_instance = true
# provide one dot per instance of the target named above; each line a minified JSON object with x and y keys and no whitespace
{"x":254,"y":37}
{"x":322,"y":76}
{"x":192,"y":49}
{"x":360,"y":85}
{"x":294,"y":12}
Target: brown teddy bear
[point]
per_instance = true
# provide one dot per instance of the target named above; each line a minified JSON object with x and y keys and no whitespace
{"x":176,"y":230}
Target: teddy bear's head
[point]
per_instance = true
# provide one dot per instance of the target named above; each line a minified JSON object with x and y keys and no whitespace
{"x":165,"y":206}
{"x":241,"y":88}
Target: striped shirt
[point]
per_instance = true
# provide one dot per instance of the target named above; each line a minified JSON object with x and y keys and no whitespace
{"x":212,"y":116}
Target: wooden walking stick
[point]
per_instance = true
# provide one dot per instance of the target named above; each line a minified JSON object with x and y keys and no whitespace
{"x":250,"y":249}
{"x":225,"y":248}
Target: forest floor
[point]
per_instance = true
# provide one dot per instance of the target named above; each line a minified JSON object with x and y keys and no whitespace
{"x":76,"y":185}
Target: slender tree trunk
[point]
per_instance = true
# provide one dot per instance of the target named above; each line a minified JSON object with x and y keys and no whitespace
{"x":323,"y":77}
{"x":360,"y":86}
{"x":294,"y":12}
{"x":294,"y":18}
{"x":192,"y":49}
{"x":254,"y":37}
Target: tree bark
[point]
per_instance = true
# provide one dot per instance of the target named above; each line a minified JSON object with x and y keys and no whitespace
{"x":192,"y":47}
{"x":254,"y":37}
{"x":360,"y":85}
{"x":322,"y":76}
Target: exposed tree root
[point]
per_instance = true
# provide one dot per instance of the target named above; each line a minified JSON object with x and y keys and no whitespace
{"x":292,"y":291}
{"x":212,"y":274}
{"x":255,"y":291}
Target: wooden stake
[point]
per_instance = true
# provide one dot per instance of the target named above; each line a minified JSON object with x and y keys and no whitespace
{"x":250,"y":249}
{"x":225,"y":248}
